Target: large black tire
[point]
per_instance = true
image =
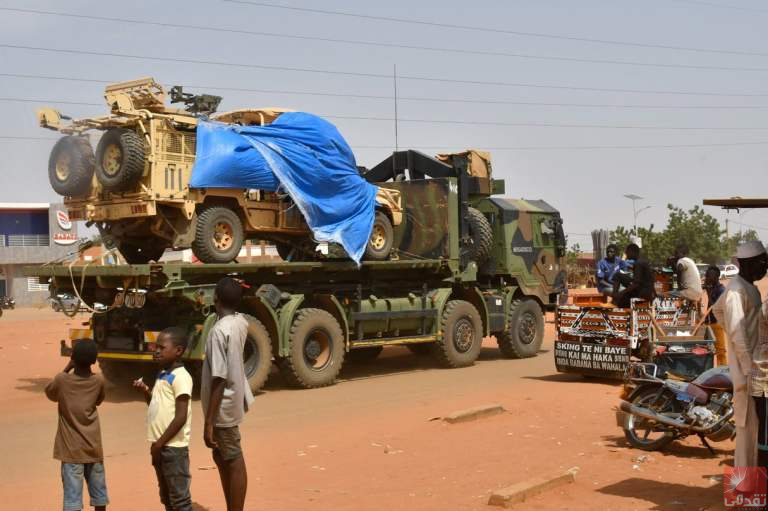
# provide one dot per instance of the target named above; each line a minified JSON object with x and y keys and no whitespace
{"x":257,"y":354}
{"x":382,"y":237}
{"x":462,"y":337}
{"x":70,"y":166}
{"x":316,"y":350}
{"x":481,"y":233}
{"x":218,"y":235}
{"x":363,"y":355}
{"x":120,"y":159}
{"x":525,"y":332}
{"x":646,"y":397}
{"x":141,"y":253}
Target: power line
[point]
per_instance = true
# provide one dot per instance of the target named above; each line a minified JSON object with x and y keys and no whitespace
{"x":575,"y":148}
{"x":546,"y":124}
{"x":469,"y":122}
{"x":394,"y":45}
{"x":413,"y":98}
{"x":485,"y":29}
{"x":361,"y":74}
{"x":722,"y":6}
{"x":509,"y":148}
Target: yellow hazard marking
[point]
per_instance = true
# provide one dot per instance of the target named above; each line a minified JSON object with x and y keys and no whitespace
{"x":126,"y":356}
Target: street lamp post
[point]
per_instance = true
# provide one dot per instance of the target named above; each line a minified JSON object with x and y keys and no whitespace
{"x":634,"y":198}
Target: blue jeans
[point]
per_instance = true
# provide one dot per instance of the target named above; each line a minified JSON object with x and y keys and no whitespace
{"x":173,"y":478}
{"x":72,"y":475}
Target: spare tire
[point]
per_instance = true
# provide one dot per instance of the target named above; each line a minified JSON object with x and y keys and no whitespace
{"x":120,"y":159}
{"x":481,"y":234}
{"x":70,"y":166}
{"x":382,"y":237}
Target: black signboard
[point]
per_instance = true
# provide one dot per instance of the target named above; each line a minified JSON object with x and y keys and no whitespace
{"x":591,"y":359}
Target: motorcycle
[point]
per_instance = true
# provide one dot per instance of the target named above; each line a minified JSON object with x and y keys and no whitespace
{"x":6,"y":302}
{"x":659,"y":411}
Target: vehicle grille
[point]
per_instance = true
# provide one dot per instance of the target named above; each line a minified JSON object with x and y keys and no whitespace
{"x":177,"y":146}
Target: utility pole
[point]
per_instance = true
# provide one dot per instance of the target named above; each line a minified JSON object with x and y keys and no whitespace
{"x":394,"y":82}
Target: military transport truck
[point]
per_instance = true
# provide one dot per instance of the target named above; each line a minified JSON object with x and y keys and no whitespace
{"x":479,"y":265}
{"x":134,"y":188}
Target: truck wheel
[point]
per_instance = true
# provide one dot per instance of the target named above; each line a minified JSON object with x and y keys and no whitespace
{"x":462,"y":331}
{"x":218,"y":235}
{"x":316,"y":350}
{"x":70,"y":166}
{"x":525,"y":332}
{"x":481,"y":233}
{"x":257,"y":354}
{"x":380,"y":243}
{"x":141,"y":254}
{"x":120,"y":158}
{"x":362,"y":355}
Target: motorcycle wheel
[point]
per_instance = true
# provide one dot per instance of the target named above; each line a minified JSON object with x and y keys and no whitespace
{"x":648,"y":435}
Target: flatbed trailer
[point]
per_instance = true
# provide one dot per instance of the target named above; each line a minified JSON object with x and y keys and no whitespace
{"x":338,"y":310}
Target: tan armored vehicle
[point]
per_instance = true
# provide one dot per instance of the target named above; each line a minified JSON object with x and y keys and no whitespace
{"x":134,"y":188}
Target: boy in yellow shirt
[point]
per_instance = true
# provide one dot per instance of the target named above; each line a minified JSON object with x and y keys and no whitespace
{"x":169,"y":420}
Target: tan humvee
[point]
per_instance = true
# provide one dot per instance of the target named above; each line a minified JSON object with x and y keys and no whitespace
{"x":134,"y":188}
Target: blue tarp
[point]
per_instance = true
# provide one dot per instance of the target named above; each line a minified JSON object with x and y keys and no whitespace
{"x":301,"y":154}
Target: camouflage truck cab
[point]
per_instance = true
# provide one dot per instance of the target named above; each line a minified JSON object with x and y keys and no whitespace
{"x":134,"y":186}
{"x":528,"y":247}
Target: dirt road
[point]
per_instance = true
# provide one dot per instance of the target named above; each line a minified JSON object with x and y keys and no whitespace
{"x":367,"y":443}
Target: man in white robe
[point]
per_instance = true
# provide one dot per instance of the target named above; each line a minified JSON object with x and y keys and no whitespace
{"x":739,"y":311}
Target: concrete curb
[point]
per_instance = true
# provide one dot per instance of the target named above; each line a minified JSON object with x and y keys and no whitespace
{"x":475,"y":413}
{"x":511,"y":495}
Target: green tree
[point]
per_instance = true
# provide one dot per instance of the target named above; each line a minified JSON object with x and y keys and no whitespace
{"x":730,"y":242}
{"x":697,"y":229}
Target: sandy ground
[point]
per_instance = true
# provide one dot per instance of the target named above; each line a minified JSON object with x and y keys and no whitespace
{"x":367,"y":443}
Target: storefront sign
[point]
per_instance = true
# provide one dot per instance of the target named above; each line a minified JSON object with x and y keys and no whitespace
{"x":63,"y":219}
{"x":64,"y":238}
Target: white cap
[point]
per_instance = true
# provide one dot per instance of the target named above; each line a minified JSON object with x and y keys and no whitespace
{"x":749,"y":249}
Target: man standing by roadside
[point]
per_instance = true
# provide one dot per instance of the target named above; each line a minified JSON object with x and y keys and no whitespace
{"x":225,"y":393}
{"x":739,"y":312}
{"x":688,"y":278}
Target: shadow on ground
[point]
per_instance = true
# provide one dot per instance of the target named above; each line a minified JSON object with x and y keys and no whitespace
{"x":666,"y":496}
{"x":574,"y":378}
{"x":675,"y":449}
{"x":32,"y":384}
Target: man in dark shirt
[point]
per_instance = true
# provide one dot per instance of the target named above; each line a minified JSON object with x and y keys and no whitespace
{"x":641,"y":285}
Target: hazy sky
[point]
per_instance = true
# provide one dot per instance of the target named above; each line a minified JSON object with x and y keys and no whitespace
{"x":538,"y":156}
